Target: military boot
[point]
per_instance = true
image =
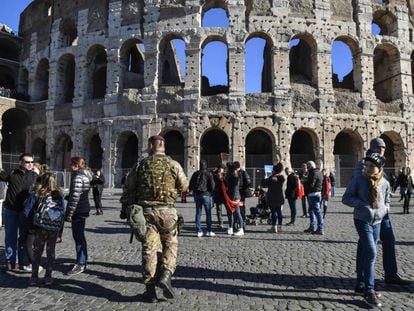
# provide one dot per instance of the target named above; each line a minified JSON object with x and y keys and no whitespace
{"x":150,"y":295}
{"x":165,"y":283}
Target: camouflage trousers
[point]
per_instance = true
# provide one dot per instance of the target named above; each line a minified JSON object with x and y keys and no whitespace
{"x":159,"y":250}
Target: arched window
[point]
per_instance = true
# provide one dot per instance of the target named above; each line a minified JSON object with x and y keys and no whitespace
{"x":215,"y":14}
{"x":214,"y":147}
{"x":133,"y":64}
{"x":41,"y":82}
{"x":214,"y":68}
{"x":258,"y":64}
{"x":172,"y":60}
{"x":66,"y":79}
{"x":97,"y":62}
{"x":386,"y":22}
{"x":346,"y":65}
{"x":68,"y":33}
{"x":387,"y":73}
{"x":303,"y":59}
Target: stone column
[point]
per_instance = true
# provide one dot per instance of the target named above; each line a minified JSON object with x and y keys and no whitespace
{"x":114,"y":18}
{"x":113,"y":73}
{"x":238,"y":142}
{"x":237,"y":101}
{"x":281,"y":76}
{"x":192,"y":79}
{"x":324,"y":64}
{"x":193,"y":146}
{"x":105,"y":132}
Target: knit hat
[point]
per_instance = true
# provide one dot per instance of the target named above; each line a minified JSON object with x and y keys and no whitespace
{"x":376,"y":159}
{"x":376,"y":143}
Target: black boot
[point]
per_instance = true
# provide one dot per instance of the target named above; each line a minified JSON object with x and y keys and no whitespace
{"x":150,"y":295}
{"x":165,"y":283}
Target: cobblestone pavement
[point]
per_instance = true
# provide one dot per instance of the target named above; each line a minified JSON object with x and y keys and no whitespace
{"x":289,"y":270}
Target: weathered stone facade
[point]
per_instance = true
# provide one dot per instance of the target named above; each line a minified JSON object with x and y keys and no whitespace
{"x":90,"y":112}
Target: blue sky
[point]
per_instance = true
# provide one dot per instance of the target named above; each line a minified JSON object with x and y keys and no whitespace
{"x":214,"y":60}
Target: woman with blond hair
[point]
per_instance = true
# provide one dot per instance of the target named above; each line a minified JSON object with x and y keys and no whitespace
{"x":45,"y":208}
{"x":78,"y":209}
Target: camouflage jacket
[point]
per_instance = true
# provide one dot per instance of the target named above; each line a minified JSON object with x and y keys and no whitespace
{"x":154,"y":181}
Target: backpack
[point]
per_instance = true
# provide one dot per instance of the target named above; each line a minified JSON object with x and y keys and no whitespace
{"x":49,"y":213}
{"x":201,"y":182}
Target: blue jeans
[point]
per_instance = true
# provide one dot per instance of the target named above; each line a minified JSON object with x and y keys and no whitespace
{"x":315,"y":214}
{"x":234,"y":217}
{"x":292,"y":206}
{"x":14,"y":247}
{"x":366,"y":252}
{"x":78,"y":233}
{"x":388,"y":248}
{"x":276,"y":213}
{"x":200,"y":201}
{"x":332,"y":191}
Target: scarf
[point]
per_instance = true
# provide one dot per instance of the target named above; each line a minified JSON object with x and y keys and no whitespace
{"x":374,"y":181}
{"x":231,"y":205}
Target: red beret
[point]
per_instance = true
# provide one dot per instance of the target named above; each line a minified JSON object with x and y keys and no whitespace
{"x":156,"y":137}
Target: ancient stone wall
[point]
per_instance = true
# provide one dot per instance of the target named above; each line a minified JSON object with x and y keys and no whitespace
{"x":303,"y":110}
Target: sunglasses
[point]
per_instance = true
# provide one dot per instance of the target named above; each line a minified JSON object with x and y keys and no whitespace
{"x":27,"y":162}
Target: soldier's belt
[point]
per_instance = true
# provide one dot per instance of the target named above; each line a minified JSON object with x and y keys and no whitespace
{"x":157,"y":207}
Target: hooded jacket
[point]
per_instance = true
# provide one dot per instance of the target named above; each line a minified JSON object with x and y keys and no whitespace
{"x":78,"y":198}
{"x":356,"y":196}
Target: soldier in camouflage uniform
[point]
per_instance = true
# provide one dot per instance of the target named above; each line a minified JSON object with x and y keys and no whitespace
{"x":153,"y":184}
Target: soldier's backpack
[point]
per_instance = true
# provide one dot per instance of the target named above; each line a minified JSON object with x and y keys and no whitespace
{"x":156,"y":180}
{"x":49,"y":213}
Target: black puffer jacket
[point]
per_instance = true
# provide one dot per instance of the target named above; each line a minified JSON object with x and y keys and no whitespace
{"x":97,"y":184}
{"x":78,"y":198}
{"x":19,"y":183}
{"x":314,"y":182}
{"x":274,"y":196}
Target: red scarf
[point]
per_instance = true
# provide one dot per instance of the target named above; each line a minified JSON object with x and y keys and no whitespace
{"x":231,"y":205}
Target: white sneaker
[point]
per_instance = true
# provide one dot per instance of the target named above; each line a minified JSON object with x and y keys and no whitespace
{"x":230,"y":231}
{"x":28,"y":268}
{"x":240,"y":232}
{"x":211,"y":233}
{"x":200,"y":234}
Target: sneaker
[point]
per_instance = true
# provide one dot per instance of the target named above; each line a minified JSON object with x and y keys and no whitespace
{"x":359,"y":289}
{"x":48,"y":281}
{"x":371,"y":299}
{"x":28,"y":268}
{"x":200,"y":234}
{"x":309,"y":230}
{"x":240,"y":232}
{"x":33,"y":281}
{"x":273,"y":229}
{"x":59,"y":240}
{"x":230,"y":231}
{"x":211,"y":233}
{"x":77,"y":269}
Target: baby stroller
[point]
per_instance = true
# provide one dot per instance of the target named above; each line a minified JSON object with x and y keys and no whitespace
{"x":261,"y":213}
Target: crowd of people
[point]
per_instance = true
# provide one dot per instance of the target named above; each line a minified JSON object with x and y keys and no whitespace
{"x":35,"y":211}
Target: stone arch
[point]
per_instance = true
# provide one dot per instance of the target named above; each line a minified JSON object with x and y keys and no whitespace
{"x":353,"y":79}
{"x":387,"y":22}
{"x":127,"y":152}
{"x":41,"y":82}
{"x":169,"y":62}
{"x":97,"y":67}
{"x":13,"y":131}
{"x":133,"y":64}
{"x":214,"y":5}
{"x":174,"y":145}
{"x":303,"y":64}
{"x":68,"y":33}
{"x":259,"y":149}
{"x":95,"y":151}
{"x":267,"y":68}
{"x":395,"y":153}
{"x":214,"y":147}
{"x":65,"y":79}
{"x":39,"y":150}
{"x":207,"y":88}
{"x":63,"y":150}
{"x":348,"y":150}
{"x":304,"y":147}
{"x":387,"y":73}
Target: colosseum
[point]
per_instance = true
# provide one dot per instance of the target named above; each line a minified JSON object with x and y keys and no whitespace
{"x":97,"y":78}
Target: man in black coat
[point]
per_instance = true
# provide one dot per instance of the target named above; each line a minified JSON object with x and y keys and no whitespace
{"x":19,"y":182}
{"x":314,"y":193}
{"x":97,"y":183}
